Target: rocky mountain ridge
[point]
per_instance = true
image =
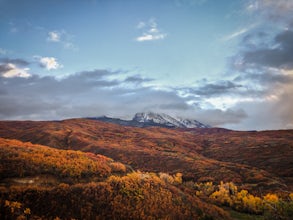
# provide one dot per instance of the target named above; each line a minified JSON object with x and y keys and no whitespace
{"x":148,"y":119}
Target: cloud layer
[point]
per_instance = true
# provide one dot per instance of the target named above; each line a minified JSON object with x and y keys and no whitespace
{"x":255,"y":92}
{"x":95,"y":93}
{"x":264,"y":65}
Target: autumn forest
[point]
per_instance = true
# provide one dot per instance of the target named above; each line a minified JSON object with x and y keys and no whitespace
{"x":87,"y":169}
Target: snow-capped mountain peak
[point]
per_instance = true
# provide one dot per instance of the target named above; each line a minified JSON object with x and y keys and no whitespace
{"x":155,"y":118}
{"x":191,"y":123}
{"x":166,"y":120}
{"x":147,"y":119}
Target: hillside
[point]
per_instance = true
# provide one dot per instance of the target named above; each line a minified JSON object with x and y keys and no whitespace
{"x":127,"y":172}
{"x":260,"y":160}
{"x":40,"y":182}
{"x":18,"y":159}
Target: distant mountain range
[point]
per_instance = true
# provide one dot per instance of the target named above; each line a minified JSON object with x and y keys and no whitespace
{"x":148,"y":119}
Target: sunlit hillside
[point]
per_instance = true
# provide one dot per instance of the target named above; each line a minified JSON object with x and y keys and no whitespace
{"x":42,"y":182}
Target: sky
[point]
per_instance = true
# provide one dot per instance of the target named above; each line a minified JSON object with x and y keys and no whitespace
{"x":225,"y":63}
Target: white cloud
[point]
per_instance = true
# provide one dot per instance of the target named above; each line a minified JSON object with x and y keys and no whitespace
{"x":151,"y":31}
{"x":147,"y":37}
{"x":54,"y":36}
{"x":10,"y":70}
{"x":50,"y":63}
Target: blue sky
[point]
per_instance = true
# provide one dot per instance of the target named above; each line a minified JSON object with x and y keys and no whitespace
{"x":226,"y":63}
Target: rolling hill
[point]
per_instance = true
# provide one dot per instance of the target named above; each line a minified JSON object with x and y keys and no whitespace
{"x":133,"y":171}
{"x":256,"y":159}
{"x":39,"y":182}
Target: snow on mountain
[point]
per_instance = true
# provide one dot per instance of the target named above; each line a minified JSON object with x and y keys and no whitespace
{"x":151,"y":117}
{"x":188,"y":123}
{"x":147,"y":119}
{"x":166,"y":120}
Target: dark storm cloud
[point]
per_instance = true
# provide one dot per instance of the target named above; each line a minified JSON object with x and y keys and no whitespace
{"x":264,"y":66}
{"x":260,"y":46}
{"x":280,"y":56}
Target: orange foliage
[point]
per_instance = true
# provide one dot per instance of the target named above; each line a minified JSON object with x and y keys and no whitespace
{"x":21,"y":159}
{"x":14,"y":210}
{"x":228,"y":194}
{"x":134,"y":196}
{"x":201,"y":154}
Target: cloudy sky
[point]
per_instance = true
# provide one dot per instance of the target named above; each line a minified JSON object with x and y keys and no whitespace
{"x":226,"y":63}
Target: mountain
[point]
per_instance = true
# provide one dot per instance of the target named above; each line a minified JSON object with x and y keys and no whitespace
{"x":148,"y":119}
{"x":166,"y":120}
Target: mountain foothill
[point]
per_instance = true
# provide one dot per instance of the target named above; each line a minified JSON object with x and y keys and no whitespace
{"x":154,"y":166}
